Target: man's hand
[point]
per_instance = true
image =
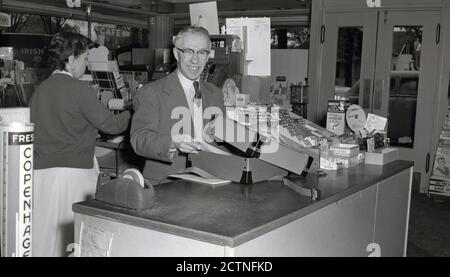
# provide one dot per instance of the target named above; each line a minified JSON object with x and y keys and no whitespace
{"x":208,"y":131}
{"x":186,"y":144}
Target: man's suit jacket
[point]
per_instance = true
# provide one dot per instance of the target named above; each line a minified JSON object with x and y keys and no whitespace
{"x":152,"y":124}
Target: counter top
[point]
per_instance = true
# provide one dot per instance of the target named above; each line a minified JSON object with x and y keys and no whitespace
{"x":233,"y":214}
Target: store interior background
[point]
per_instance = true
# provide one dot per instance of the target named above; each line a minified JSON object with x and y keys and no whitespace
{"x":144,"y":24}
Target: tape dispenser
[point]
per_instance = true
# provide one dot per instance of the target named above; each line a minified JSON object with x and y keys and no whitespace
{"x":130,"y":190}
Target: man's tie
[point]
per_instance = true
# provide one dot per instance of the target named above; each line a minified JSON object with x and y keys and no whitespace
{"x":198,"y":94}
{"x":197,"y":114}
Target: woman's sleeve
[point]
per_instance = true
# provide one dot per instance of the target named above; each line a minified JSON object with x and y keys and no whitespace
{"x":98,"y":115}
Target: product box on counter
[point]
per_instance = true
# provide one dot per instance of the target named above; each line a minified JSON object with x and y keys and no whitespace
{"x":334,"y":162}
{"x":242,"y":100}
{"x":382,"y":156}
{"x":336,"y":116}
{"x":343,"y":149}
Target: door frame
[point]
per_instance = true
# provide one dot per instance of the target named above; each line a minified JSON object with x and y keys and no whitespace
{"x":332,"y":22}
{"x":426,"y":91}
{"x":319,"y":7}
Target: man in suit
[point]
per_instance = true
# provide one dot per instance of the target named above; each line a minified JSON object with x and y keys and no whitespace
{"x":157,"y":107}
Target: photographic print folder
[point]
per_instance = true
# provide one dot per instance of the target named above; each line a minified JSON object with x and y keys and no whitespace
{"x":197,"y":175}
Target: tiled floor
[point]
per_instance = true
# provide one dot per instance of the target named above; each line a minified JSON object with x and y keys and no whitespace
{"x":429,"y":226}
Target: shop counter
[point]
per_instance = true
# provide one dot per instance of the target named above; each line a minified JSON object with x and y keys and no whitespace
{"x":363,"y":211}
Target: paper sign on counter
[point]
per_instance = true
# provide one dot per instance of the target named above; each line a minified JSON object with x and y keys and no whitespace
{"x":375,"y":122}
{"x":205,"y":15}
{"x":94,"y":242}
{"x":197,"y":175}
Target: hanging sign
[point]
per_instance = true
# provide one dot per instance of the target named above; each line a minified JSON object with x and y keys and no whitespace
{"x":73,"y":3}
{"x":5,"y":20}
{"x":373,"y":3}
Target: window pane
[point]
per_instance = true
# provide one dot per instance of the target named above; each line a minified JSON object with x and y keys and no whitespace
{"x":348,"y":62}
{"x":404,"y":85}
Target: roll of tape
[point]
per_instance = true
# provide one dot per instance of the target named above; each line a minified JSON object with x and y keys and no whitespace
{"x":116,"y":104}
{"x":134,"y":174}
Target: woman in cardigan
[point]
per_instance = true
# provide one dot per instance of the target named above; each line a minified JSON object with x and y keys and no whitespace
{"x":67,"y":117}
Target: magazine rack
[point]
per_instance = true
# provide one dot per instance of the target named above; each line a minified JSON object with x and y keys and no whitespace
{"x":107,"y":81}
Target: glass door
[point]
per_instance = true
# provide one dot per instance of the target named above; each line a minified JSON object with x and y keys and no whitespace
{"x":348,"y":54}
{"x":405,"y":83}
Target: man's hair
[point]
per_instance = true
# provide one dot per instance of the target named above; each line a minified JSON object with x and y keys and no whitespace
{"x":192,"y":30}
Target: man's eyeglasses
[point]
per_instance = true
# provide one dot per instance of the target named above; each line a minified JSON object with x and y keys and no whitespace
{"x":189,"y":53}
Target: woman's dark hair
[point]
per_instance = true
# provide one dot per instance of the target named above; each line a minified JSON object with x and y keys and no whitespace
{"x":65,"y":44}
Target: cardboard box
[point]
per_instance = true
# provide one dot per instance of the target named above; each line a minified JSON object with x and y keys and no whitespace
{"x":382,"y":156}
{"x":344,"y":149}
{"x":335,"y":162}
{"x":20,"y":114}
{"x":242,"y":100}
{"x":336,"y":116}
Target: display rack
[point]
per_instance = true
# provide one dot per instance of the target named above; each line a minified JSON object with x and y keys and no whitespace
{"x":108,"y":80}
{"x":440,"y":178}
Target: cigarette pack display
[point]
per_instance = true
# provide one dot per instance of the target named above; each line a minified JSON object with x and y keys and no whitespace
{"x":445,"y":135}
{"x":345,"y":149}
{"x":441,"y":167}
{"x":439,"y":187}
{"x":444,"y":143}
{"x":440,"y":177}
{"x":446,"y":124}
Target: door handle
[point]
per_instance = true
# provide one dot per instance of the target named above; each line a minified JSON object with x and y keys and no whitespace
{"x":427,"y":163}
{"x":322,"y":34}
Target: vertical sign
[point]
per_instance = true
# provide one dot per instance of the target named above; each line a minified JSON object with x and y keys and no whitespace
{"x":205,"y":15}
{"x":16,"y":164}
{"x":25,"y":143}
